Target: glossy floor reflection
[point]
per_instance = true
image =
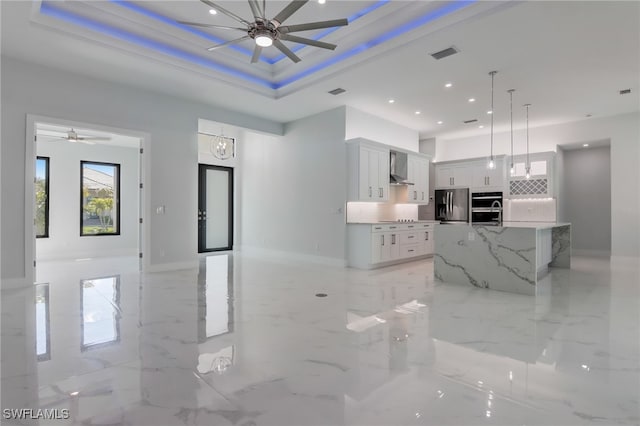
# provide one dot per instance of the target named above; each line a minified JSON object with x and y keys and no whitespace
{"x":246,"y":342}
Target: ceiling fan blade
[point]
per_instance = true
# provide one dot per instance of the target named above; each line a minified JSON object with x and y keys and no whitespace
{"x":284,"y":49}
{"x":86,"y":142}
{"x":313,"y":26}
{"x":94,"y":138}
{"x":289,"y":10}
{"x":308,"y":41}
{"x":226,"y":12}
{"x":222,"y":27}
{"x":256,"y":54}
{"x":218,"y":46}
{"x":255,"y":9}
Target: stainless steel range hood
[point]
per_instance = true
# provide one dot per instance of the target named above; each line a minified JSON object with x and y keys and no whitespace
{"x":398,"y":168}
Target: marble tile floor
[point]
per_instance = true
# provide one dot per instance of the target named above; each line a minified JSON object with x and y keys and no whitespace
{"x":245,"y":341}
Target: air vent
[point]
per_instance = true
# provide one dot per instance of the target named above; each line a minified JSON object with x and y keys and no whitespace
{"x":470,"y":121}
{"x":337,"y":91}
{"x":444,"y":53}
{"x":625,"y":91}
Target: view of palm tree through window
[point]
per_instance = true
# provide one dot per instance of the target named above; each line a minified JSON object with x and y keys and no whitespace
{"x":100,"y":199}
{"x":42,"y":197}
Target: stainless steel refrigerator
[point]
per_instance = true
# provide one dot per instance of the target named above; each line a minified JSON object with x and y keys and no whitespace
{"x":452,"y":205}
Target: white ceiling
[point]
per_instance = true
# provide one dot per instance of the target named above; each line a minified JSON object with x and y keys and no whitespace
{"x":568,"y":59}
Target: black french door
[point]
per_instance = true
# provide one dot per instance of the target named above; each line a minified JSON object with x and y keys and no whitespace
{"x":215,"y":208}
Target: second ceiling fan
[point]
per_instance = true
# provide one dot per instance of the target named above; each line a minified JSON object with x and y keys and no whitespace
{"x":267,"y":32}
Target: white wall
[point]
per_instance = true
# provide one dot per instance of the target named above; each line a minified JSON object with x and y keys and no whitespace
{"x":64,"y":206}
{"x":292,"y":187}
{"x":587,"y":193}
{"x":360,"y":124}
{"x":171,"y":152}
{"x":624,"y":133}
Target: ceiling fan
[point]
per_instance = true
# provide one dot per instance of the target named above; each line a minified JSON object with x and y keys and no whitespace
{"x":267,"y":32}
{"x":72,"y":136}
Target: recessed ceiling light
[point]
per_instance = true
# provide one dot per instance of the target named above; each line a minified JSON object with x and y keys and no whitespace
{"x":472,"y":99}
{"x":585,"y":145}
{"x":489,"y":112}
{"x":448,"y":85}
{"x":213,"y":11}
{"x":417,"y":112}
{"x":322,"y":1}
{"x":439,"y":122}
{"x":481,"y":126}
{"x":391,"y":101}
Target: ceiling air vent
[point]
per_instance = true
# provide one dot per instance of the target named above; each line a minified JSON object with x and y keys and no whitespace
{"x":625,"y":91}
{"x":444,"y":53}
{"x":337,"y":91}
{"x":470,"y":121}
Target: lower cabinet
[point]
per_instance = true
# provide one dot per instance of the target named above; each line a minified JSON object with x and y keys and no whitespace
{"x":371,"y":246}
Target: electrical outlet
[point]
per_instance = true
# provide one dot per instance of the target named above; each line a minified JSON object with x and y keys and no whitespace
{"x":160,"y":210}
{"x":472,"y":236}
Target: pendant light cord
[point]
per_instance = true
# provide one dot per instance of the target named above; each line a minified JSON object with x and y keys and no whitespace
{"x":511,"y":109}
{"x":528,"y":105}
{"x":493,"y":73}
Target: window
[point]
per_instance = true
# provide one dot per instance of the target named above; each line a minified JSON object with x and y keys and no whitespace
{"x":100,"y":198}
{"x":100,"y":309}
{"x":42,"y":197}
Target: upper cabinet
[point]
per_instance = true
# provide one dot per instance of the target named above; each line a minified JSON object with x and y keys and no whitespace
{"x":489,"y":179}
{"x":471,"y":174}
{"x":368,"y":172}
{"x":453,"y":176}
{"x":418,"y":173}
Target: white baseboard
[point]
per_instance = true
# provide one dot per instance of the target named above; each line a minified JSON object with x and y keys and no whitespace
{"x":71,"y":255}
{"x":590,"y":253}
{"x":291,"y":256}
{"x":174,"y":266}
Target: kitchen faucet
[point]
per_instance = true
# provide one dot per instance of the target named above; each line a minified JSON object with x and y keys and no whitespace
{"x":499,"y":211}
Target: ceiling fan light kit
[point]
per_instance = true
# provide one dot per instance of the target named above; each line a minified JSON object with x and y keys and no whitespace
{"x":266,"y":33}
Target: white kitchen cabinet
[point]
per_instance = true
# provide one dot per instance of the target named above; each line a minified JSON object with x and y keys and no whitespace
{"x":372,"y":246}
{"x":418,"y":173}
{"x":368,"y":172}
{"x":453,"y":176}
{"x":486,"y":179}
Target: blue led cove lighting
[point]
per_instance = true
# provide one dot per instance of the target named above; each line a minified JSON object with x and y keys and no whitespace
{"x":435,"y":14}
{"x":49,"y":10}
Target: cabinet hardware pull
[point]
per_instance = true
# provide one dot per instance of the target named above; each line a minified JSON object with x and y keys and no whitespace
{"x":378,"y":227}
{"x":410,"y":251}
{"x":410,"y":226}
{"x":422,"y":195}
{"x":411,"y":236}
{"x":426,"y":236}
{"x":369,"y":191}
{"x":393,"y":239}
{"x":381,"y":193}
{"x":415,"y":195}
{"x":383,"y":239}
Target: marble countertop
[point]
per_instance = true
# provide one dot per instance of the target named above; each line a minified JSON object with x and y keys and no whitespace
{"x":536,"y":225}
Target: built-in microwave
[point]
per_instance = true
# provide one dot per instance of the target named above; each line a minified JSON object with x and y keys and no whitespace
{"x":486,"y":207}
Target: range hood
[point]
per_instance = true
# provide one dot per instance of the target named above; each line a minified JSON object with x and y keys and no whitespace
{"x":398,"y":168}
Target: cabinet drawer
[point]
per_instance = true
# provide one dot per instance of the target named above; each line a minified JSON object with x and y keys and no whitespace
{"x":410,"y":250}
{"x":409,"y":237}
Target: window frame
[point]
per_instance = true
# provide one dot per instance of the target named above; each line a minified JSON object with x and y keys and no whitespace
{"x":48,"y":191}
{"x":117,"y":198}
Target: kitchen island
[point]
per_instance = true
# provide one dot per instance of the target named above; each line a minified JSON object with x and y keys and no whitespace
{"x":511,"y":257}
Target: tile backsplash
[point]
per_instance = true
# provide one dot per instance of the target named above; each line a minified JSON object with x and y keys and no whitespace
{"x":530,"y":210}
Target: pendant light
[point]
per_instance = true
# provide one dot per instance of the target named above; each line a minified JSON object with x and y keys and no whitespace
{"x":528,"y":164}
{"x":492,"y":163}
{"x":221,"y":146}
{"x":512,"y":170}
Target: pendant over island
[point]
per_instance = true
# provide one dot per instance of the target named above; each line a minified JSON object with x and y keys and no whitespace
{"x":512,"y":257}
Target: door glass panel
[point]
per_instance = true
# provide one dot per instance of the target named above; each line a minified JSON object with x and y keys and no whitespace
{"x":539,"y":168}
{"x":217,"y":234}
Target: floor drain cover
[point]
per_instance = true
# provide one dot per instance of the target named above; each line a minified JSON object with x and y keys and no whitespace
{"x":321,"y":294}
